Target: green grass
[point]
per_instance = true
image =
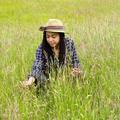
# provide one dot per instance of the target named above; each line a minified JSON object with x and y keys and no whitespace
{"x":95,"y":27}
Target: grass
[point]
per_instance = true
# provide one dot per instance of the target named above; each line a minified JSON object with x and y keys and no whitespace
{"x":95,"y":27}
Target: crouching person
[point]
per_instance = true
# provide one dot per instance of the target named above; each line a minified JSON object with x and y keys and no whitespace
{"x":55,"y":51}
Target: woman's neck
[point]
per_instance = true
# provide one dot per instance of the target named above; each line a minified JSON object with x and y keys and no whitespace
{"x":56,"y":51}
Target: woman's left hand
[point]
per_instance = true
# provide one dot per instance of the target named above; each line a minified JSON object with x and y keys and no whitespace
{"x":76,"y":72}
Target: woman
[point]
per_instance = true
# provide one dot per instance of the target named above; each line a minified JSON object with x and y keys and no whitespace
{"x":53,"y":52}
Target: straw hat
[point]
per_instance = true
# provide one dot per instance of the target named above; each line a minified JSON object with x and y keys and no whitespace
{"x":53,"y":25}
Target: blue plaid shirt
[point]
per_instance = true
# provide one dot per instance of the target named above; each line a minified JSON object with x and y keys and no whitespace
{"x":41,"y":62}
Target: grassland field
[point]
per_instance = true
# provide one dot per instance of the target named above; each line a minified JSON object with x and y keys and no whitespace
{"x":94,"y":25}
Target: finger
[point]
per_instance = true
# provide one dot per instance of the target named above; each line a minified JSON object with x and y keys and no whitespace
{"x":76,"y":69}
{"x":76,"y":72}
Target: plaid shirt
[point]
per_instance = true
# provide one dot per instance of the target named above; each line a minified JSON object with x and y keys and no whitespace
{"x":41,"y":62}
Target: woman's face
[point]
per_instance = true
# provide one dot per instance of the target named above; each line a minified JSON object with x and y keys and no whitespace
{"x":53,"y":39}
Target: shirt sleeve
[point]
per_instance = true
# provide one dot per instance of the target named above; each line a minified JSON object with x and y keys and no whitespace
{"x":73,"y":54}
{"x":74,"y":58}
{"x":38,"y":64}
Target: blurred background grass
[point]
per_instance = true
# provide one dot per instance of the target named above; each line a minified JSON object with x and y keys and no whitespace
{"x":94,"y":25}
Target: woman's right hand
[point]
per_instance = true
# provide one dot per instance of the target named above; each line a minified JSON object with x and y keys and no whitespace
{"x":28,"y":82}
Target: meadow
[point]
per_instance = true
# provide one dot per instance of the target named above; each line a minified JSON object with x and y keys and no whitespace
{"x":94,"y":25}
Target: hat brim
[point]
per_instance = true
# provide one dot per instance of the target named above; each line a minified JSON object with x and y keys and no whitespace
{"x":50,"y":30}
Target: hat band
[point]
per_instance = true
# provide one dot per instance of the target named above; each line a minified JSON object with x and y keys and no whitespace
{"x":51,"y":28}
{"x":55,"y":27}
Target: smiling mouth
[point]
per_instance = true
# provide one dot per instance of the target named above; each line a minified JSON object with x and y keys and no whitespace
{"x":52,"y":44}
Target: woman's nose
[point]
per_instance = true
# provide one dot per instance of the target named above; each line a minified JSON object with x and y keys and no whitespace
{"x":50,"y":39}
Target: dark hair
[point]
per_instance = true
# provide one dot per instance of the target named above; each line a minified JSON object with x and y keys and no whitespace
{"x":49,"y":51}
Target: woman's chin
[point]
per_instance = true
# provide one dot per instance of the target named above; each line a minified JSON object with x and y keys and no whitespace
{"x":52,"y":46}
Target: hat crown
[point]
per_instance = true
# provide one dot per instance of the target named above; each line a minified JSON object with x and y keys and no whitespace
{"x":53,"y":25}
{"x":54,"y":22}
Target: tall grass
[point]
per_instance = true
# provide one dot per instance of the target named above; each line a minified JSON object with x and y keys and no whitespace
{"x":95,"y":28}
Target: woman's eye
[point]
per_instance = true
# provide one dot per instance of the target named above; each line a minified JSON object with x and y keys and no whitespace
{"x":47,"y":36}
{"x":54,"y":36}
